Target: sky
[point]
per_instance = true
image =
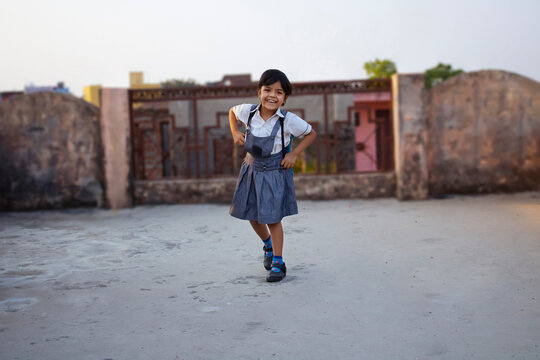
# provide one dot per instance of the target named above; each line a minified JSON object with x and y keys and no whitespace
{"x":101,"y":41}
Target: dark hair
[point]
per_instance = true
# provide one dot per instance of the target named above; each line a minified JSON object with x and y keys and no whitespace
{"x":271,"y":76}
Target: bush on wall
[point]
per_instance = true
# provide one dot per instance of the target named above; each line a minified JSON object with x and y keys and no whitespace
{"x":439,"y":73}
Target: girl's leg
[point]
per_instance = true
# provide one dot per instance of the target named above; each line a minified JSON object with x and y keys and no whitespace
{"x":278,"y":270}
{"x":260,"y":229}
{"x":276,"y":230}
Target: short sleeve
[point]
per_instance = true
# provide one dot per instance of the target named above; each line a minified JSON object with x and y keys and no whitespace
{"x":242,"y":112}
{"x":297,"y":126}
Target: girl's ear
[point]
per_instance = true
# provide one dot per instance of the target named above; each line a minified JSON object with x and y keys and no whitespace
{"x":284,"y":100}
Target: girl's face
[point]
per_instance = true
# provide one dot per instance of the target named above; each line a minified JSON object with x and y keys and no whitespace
{"x":272,"y":96}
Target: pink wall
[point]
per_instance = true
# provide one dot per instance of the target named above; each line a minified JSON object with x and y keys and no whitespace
{"x":366,"y":160}
{"x":366,"y":105}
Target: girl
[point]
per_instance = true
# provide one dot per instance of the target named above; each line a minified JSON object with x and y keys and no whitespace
{"x":265,"y":190}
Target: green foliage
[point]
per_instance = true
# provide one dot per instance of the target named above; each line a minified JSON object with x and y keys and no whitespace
{"x":306,"y":163}
{"x":179,"y":83}
{"x":380,"y":69}
{"x":438,"y":74}
{"x":309,"y":166}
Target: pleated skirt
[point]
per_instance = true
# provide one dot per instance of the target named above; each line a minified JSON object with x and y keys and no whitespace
{"x":264,"y":191}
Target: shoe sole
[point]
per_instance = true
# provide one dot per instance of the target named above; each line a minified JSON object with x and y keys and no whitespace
{"x":275,"y":279}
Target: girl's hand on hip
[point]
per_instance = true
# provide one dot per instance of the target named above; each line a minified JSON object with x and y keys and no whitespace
{"x":239,"y":138}
{"x":288,"y":161}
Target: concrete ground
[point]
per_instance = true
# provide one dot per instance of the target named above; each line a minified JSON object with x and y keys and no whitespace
{"x":368,"y":279}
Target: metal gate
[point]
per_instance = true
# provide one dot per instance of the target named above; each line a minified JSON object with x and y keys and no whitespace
{"x":202,"y":147}
{"x":151,"y":144}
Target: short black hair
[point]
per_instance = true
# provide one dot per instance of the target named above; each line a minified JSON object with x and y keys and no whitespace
{"x":273,"y":75}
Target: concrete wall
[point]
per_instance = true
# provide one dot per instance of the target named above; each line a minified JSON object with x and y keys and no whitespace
{"x":116,"y":136}
{"x":477,"y":132}
{"x":410,"y":137}
{"x":484,"y":133}
{"x":310,"y":187}
{"x":50,"y":152}
{"x":474,"y":133}
{"x":339,"y":103}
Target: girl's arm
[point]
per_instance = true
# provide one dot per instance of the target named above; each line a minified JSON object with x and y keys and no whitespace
{"x":290,"y":158}
{"x":238,"y":136}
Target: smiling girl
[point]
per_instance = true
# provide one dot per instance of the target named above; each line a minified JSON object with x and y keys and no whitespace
{"x":265,"y":189}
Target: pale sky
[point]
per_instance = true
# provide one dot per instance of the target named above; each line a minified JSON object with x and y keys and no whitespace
{"x":100,"y":42}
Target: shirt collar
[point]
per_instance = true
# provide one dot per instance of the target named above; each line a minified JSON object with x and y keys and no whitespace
{"x":278,"y":112}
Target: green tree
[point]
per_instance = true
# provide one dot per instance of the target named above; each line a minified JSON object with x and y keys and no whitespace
{"x":179,"y":83}
{"x":380,"y":69}
{"x":438,"y":74}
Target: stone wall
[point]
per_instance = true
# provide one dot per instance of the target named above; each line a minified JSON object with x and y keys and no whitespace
{"x":308,"y":187}
{"x":477,"y":132}
{"x":484,"y":133}
{"x":345,"y":186}
{"x":50,"y":152}
{"x":474,"y":133}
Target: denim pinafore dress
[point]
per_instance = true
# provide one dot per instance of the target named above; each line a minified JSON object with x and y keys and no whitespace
{"x":264,"y":190}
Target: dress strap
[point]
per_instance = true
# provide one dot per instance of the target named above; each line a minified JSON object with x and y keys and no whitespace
{"x":252,"y":112}
{"x":276,"y":127}
{"x":281,"y":121}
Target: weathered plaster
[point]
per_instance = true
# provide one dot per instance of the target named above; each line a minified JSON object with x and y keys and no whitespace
{"x":117,"y":147}
{"x":50,"y":152}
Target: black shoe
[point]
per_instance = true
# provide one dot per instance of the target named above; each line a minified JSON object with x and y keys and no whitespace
{"x":274,"y":276}
{"x":267,"y":262}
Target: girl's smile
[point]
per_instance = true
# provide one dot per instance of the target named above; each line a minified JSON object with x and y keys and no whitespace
{"x":272,"y":97}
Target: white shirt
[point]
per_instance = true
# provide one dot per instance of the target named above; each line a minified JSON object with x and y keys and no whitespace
{"x":292,"y":125}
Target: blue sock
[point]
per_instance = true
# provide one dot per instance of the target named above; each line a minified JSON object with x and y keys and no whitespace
{"x":268,"y":245}
{"x":279,"y":260}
